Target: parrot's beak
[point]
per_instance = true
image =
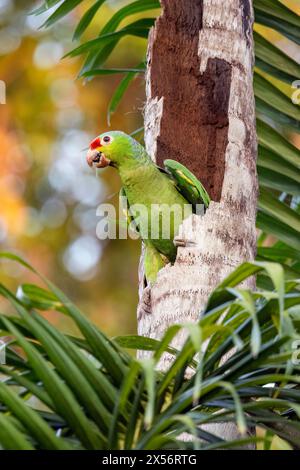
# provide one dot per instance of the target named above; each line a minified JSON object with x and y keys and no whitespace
{"x":96,"y":159}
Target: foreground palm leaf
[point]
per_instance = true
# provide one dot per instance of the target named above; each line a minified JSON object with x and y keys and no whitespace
{"x":63,"y":392}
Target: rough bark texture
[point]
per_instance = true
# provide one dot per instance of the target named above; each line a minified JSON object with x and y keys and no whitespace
{"x":200,"y":111}
{"x":194,"y":122}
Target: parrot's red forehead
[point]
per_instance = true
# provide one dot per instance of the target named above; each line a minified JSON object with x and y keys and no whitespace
{"x":95,"y":143}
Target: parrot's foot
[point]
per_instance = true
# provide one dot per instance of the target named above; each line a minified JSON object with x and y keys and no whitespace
{"x":144,"y":307}
{"x":179,"y":242}
{"x":183,"y":242}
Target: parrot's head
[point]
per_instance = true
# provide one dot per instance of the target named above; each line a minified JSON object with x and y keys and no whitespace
{"x":110,"y":148}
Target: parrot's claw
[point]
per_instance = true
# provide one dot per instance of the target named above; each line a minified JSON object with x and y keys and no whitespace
{"x":179,"y":242}
{"x":144,"y":307}
{"x":183,"y":242}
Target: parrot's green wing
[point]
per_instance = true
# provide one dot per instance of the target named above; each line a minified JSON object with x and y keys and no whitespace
{"x":187,"y":183}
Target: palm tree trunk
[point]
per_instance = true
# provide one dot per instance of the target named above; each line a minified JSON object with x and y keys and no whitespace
{"x":200,"y":111}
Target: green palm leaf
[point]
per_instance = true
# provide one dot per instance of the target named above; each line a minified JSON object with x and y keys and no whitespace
{"x":146,"y":409}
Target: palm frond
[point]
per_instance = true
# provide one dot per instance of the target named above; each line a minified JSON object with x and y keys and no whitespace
{"x":62,"y":392}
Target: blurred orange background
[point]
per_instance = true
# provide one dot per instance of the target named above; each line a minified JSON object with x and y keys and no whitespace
{"x":48,"y":194}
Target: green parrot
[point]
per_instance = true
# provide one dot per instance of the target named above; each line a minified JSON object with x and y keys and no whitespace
{"x":160,"y":192}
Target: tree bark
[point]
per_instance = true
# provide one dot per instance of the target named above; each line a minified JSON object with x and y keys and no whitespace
{"x":200,"y":111}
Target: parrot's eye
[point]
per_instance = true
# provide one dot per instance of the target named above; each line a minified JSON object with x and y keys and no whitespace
{"x":107,"y":139}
